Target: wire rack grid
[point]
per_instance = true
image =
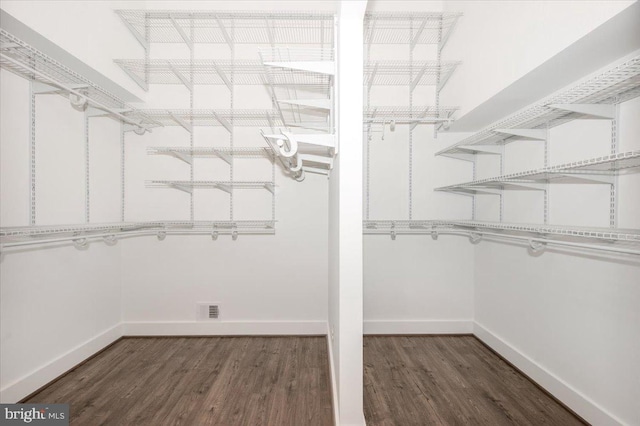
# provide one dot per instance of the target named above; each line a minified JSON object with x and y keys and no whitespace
{"x":215,"y":27}
{"x":409,"y":28}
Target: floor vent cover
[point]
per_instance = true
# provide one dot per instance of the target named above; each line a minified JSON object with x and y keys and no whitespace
{"x":208,"y":311}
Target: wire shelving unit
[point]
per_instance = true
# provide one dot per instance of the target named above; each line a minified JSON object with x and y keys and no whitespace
{"x":406,"y":31}
{"x":210,"y":117}
{"x":408,"y":115}
{"x":110,"y":232}
{"x":535,"y":236}
{"x":51,"y":77}
{"x":409,"y":28}
{"x":409,"y":73}
{"x":613,"y":86}
{"x":287,"y":28}
{"x":187,"y":154}
{"x":594,"y":170}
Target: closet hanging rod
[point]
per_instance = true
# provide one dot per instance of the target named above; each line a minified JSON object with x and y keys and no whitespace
{"x":90,"y":101}
{"x":496,"y":236}
{"x":126,"y":234}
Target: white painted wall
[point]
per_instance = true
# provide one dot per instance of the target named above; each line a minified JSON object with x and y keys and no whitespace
{"x":345,"y":215}
{"x":58,"y":305}
{"x":265,"y":284}
{"x":500,"y":41}
{"x":567,"y":318}
{"x":570,"y":311}
{"x":90,"y":31}
{"x":413,"y":284}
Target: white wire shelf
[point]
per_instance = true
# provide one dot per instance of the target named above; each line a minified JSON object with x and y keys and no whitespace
{"x":214,"y":72}
{"x":409,"y":28}
{"x":173,"y":26}
{"x":226,"y":186}
{"x":428,"y":226}
{"x":594,"y":170}
{"x":20,"y":58}
{"x":618,"y":84}
{"x":27,"y":235}
{"x":209,"y":117}
{"x":297,"y":54}
{"x":382,"y":114}
{"x":308,"y":105}
{"x":186,"y":154}
{"x":405,"y":73}
{"x":179,"y":71}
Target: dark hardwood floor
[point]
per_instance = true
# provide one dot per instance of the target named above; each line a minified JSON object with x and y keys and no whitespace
{"x":200,"y":381}
{"x":450,"y":380}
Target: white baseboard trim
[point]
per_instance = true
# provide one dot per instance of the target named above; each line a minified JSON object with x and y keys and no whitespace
{"x":334,"y":380}
{"x":583,"y":406}
{"x":225,"y":328}
{"x":418,"y":327}
{"x":33,"y":381}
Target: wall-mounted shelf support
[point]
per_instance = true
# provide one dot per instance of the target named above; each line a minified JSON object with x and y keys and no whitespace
{"x":324,"y":104}
{"x":180,"y":31}
{"x":482,"y":149}
{"x":223,"y":121}
{"x":188,"y":84}
{"x":187,"y":126}
{"x":533,"y":134}
{"x":320,"y":67}
{"x":605,"y":111}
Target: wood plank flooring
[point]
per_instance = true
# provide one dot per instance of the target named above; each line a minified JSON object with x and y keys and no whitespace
{"x":200,"y":381}
{"x":450,"y":380}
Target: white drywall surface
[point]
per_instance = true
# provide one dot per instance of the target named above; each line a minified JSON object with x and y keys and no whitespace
{"x":53,"y":299}
{"x":413,"y":284}
{"x":264,"y":284}
{"x":345,"y":216}
{"x":571,"y":314}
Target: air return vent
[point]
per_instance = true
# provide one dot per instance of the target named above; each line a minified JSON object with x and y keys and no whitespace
{"x":208,"y":311}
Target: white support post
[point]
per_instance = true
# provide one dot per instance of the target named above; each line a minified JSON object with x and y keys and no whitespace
{"x":345,"y":220}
